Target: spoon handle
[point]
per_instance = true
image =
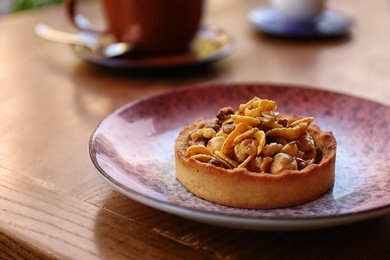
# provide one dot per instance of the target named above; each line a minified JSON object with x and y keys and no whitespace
{"x":48,"y":33}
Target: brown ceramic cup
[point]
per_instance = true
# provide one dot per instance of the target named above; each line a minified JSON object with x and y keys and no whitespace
{"x":151,"y":26}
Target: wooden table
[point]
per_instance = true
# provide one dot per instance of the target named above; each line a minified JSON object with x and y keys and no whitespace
{"x":54,"y":205}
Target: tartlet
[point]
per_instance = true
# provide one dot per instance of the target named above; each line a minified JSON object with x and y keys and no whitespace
{"x":255,"y":158}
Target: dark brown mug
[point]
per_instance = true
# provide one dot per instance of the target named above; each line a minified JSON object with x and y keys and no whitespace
{"x":151,"y":26}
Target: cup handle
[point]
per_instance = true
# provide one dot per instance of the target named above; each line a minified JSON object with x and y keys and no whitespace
{"x":79,"y":20}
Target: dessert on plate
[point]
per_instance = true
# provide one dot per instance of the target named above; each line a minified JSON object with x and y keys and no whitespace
{"x":254,"y":157}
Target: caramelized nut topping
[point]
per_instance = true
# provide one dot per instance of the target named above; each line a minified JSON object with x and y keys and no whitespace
{"x":255,"y":137}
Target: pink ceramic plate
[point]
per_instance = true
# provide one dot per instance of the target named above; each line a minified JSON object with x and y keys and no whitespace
{"x":133,"y":151}
{"x":210,"y":44}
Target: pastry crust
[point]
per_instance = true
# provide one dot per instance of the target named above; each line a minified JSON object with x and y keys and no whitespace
{"x":242,"y":188}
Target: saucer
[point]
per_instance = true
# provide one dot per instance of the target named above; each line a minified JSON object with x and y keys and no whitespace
{"x":210,"y":44}
{"x":329,"y":23}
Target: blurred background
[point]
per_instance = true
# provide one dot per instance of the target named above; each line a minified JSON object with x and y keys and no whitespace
{"x":11,"y":6}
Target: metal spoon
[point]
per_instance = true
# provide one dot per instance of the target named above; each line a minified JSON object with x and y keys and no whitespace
{"x":96,"y":46}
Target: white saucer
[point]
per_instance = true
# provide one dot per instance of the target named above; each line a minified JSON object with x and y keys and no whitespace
{"x":329,"y":23}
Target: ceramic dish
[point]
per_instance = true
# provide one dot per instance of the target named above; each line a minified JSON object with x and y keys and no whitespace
{"x":210,"y":44}
{"x":133,"y":151}
{"x":329,"y":24}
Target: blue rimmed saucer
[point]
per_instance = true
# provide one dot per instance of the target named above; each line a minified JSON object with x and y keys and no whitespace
{"x":329,"y":23}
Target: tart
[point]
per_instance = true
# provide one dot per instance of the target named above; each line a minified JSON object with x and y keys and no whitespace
{"x":255,"y":158}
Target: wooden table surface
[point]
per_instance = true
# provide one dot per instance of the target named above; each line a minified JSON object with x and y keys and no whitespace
{"x":53,"y":204}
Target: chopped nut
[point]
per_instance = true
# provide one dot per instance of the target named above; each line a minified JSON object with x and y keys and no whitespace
{"x":203,"y":133}
{"x":281,"y":162}
{"x":245,"y":148}
{"x":265,"y":164}
{"x":290,"y":149}
{"x":307,"y":146}
{"x":228,"y":128}
{"x":260,"y":164}
{"x":224,"y":114}
{"x":271,"y":149}
{"x":301,"y":163}
{"x":255,"y":164}
{"x":215,"y":143}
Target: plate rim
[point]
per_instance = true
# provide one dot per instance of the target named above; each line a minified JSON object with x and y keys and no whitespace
{"x":235,"y":221}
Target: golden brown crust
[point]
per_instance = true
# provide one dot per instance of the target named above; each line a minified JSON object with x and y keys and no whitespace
{"x":245,"y":189}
